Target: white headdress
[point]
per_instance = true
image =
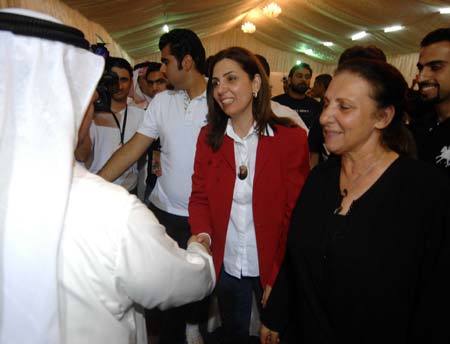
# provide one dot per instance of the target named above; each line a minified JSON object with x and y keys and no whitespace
{"x":47,"y":80}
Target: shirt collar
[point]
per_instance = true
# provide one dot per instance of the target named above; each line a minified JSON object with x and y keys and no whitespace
{"x":230,"y":132}
{"x":199,"y":97}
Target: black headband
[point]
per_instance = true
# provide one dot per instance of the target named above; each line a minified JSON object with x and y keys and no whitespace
{"x":35,"y":27}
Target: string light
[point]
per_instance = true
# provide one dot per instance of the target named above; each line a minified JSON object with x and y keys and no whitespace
{"x":166,"y":28}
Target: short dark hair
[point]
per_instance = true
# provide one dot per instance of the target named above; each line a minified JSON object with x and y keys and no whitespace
{"x":324,"y":79}
{"x":140,"y":65}
{"x":152,"y":67}
{"x":370,"y":52}
{"x":261,"y":108}
{"x":184,"y":42}
{"x":299,"y":66}
{"x":388,"y":89}
{"x":264,"y":63}
{"x":439,"y":35}
{"x":119,"y":63}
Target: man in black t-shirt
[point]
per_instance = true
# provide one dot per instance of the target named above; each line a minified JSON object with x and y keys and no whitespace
{"x":299,"y":81}
{"x":317,"y":150}
{"x":432,"y":132}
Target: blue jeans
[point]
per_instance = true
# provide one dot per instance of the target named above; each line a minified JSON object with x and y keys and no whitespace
{"x":235,"y":298}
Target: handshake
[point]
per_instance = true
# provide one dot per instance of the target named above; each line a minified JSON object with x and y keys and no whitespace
{"x":203,"y":239}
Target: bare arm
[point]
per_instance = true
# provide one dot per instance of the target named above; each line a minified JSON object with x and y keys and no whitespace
{"x":126,"y":156}
{"x":83,"y":152}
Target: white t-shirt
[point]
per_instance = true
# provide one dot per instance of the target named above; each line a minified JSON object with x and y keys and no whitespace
{"x":176,"y":121}
{"x":106,"y":140}
{"x":113,"y":254}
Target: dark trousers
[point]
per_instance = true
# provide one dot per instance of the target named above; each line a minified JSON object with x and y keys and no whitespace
{"x":235,"y":298}
{"x":173,"y":321}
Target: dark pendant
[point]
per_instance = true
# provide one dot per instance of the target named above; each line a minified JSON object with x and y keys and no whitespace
{"x":243,"y":172}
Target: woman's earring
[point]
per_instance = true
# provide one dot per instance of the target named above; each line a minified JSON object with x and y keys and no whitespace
{"x":255,"y":94}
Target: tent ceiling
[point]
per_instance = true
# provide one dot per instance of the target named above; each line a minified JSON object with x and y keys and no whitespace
{"x":303,"y":24}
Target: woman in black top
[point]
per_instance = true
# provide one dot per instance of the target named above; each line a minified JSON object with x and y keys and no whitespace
{"x":368,"y":253}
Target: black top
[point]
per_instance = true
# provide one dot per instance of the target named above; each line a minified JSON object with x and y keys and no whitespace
{"x":380,"y":274}
{"x":433,"y":141}
{"x":307,"y":108}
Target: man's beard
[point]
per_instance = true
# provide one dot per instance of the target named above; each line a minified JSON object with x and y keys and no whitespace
{"x":299,"y":88}
{"x":430,"y":100}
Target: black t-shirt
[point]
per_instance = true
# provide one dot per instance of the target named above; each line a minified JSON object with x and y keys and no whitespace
{"x":433,"y":141}
{"x":307,"y":108}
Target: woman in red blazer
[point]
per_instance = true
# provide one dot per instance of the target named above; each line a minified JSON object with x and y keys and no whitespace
{"x":249,"y":169}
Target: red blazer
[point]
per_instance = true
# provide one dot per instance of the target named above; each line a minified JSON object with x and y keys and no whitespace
{"x":282,"y":165}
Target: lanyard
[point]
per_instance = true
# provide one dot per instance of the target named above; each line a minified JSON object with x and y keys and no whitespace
{"x":121,"y":130}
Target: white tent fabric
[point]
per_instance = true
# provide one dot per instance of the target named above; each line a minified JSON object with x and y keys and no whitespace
{"x":302,"y":25}
{"x":44,"y":91}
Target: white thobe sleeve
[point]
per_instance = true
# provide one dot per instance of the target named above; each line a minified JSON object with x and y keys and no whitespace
{"x":154,"y":271}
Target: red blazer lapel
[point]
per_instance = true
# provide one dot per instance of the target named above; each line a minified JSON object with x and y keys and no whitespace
{"x":265,"y":151}
{"x":227,"y":150}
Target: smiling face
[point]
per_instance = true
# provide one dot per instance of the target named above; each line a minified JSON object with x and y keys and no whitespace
{"x":233,"y":89}
{"x":350,"y":117}
{"x":434,"y":72}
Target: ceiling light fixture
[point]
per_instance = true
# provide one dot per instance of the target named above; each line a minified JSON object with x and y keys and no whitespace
{"x":328,"y":44}
{"x":359,"y":35}
{"x":393,"y":28}
{"x":272,"y":10}
{"x":298,"y":62}
{"x":248,"y":27}
{"x":166,"y":28}
{"x":445,"y":10}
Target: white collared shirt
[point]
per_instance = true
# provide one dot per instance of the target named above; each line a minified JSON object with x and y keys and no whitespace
{"x":241,"y":252}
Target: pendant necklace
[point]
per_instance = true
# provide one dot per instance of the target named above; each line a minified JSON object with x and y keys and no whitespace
{"x":243,"y":170}
{"x":355,"y":181}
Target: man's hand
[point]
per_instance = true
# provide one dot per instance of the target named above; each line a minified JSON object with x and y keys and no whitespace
{"x":268,"y":336}
{"x":201,"y":239}
{"x":266,"y":295}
